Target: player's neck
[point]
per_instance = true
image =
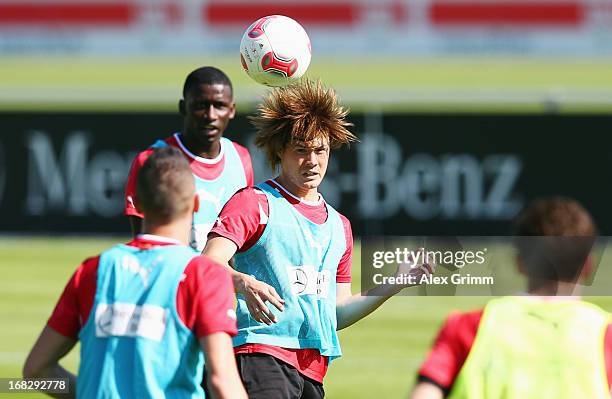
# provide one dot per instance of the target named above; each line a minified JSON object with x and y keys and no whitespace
{"x":208,"y":150}
{"x":303,"y":194}
{"x":178,"y":230}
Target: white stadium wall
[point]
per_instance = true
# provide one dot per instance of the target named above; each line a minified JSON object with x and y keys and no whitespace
{"x":408,"y":27}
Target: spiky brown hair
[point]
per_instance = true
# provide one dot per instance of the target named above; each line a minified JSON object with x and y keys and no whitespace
{"x":300,"y":113}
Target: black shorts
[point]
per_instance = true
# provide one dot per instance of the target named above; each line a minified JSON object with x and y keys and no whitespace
{"x":266,"y":377}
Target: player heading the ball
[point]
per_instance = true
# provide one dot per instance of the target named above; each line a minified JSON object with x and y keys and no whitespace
{"x":292,"y":250}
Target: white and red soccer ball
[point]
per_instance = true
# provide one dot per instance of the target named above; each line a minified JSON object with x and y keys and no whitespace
{"x":275,"y":50}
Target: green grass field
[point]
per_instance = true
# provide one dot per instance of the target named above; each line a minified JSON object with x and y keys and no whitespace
{"x":381,"y":353}
{"x":427,"y":85}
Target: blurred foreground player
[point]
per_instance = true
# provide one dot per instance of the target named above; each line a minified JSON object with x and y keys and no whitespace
{"x":144,"y":311}
{"x":544,"y":344}
{"x":220,"y":166}
{"x":292,"y":250}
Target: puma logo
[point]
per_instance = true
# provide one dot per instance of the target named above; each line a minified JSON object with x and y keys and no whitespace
{"x":313,"y":243}
{"x":206,"y":196}
{"x":130,"y":263}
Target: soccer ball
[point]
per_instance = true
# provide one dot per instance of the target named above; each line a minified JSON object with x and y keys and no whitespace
{"x":275,"y":50}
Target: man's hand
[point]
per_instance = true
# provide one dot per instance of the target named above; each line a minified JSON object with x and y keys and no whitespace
{"x":416,"y":269}
{"x":256,"y":293}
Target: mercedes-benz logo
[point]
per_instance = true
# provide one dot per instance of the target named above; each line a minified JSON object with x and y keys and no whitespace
{"x":301,"y":281}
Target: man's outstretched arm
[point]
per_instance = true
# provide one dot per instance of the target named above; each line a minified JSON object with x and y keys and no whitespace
{"x":351,"y":308}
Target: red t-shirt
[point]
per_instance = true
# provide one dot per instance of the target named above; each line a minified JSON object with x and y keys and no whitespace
{"x":454,"y":342}
{"x":243,"y":220}
{"x":207,"y":169}
{"x":204,"y":300}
